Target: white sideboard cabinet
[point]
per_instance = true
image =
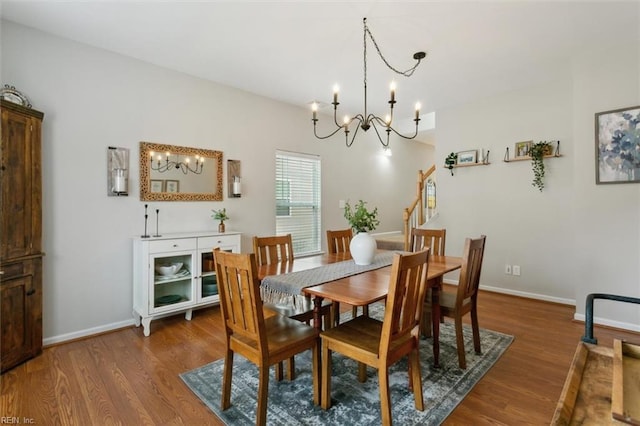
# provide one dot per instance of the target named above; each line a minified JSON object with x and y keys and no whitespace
{"x":175,"y":273}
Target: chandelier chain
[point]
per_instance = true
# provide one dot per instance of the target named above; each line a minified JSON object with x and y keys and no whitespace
{"x":407,"y":73}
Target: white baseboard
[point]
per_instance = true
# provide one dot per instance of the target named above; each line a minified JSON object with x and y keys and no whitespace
{"x":525,"y":294}
{"x":571,"y":302}
{"x":609,"y":323}
{"x":528,"y":295}
{"x":86,"y":332}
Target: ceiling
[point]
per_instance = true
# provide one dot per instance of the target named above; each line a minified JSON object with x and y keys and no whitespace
{"x":296,"y":51}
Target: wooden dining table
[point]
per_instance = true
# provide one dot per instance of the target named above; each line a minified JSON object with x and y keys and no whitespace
{"x":365,"y":288}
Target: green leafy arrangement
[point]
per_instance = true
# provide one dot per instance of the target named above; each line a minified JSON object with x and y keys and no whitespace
{"x":220,"y":215}
{"x":361,"y":219}
{"x":537,"y":152}
{"x":450,"y":161}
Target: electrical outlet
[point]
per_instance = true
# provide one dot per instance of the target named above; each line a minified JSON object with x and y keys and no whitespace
{"x":507,"y":269}
{"x":516,"y":270}
{"x":341,"y":204}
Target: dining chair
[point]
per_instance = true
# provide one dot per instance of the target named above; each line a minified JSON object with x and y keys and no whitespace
{"x":263,"y":341}
{"x":380,"y":344}
{"x":338,"y":242}
{"x":279,"y":249}
{"x":273,"y":249}
{"x":435,"y":240}
{"x":465,"y":299}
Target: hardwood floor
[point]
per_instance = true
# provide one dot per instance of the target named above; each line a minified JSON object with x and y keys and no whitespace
{"x":125,"y":378}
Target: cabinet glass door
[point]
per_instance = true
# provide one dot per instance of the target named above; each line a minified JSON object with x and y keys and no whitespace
{"x":208,"y":281}
{"x":172,"y":280}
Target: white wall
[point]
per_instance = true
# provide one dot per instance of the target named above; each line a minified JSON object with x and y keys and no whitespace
{"x":93,"y":99}
{"x":574,"y":237}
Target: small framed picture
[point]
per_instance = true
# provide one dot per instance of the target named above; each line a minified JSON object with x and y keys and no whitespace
{"x":157,"y":185}
{"x":522,"y":149}
{"x":171,"y":185}
{"x":468,"y":157}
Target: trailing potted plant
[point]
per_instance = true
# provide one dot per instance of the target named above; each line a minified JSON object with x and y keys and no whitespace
{"x":538,"y":151}
{"x":220,"y":215}
{"x":451,"y":161}
{"x":362,"y":220}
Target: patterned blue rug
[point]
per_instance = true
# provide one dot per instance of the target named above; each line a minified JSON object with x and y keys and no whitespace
{"x":291,"y":403}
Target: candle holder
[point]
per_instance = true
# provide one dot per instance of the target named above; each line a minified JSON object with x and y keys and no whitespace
{"x":146,"y":216}
{"x":233,"y":179}
{"x":157,"y":216}
{"x":117,"y":171}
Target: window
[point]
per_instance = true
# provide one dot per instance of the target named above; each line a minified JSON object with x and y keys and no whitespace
{"x":298,"y":200}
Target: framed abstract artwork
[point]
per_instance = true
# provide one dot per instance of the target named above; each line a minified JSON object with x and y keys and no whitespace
{"x":618,"y":146}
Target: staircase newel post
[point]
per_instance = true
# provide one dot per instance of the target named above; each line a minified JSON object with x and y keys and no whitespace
{"x":405,"y":219}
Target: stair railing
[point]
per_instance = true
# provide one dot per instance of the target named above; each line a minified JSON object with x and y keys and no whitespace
{"x":413,"y":216}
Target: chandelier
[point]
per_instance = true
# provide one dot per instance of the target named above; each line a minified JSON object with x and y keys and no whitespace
{"x":169,"y":164}
{"x":366,"y":121}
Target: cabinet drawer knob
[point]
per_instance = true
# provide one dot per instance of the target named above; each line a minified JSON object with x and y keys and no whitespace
{"x":175,"y":245}
{"x":31,"y":292}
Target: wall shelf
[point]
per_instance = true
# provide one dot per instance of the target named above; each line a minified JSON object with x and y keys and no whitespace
{"x":529,"y":158}
{"x":455,"y":166}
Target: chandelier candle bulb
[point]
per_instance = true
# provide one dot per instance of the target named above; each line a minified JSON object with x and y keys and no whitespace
{"x":336,"y":89}
{"x":393,"y":91}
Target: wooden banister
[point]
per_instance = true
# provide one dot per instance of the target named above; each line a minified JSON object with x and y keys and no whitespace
{"x":413,"y":215}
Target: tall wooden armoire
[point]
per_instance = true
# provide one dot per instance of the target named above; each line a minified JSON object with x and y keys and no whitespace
{"x":20,"y":235}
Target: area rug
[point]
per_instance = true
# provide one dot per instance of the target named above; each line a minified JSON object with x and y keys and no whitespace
{"x":353,"y":403}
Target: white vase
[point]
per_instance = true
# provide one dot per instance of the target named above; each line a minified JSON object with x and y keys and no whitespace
{"x":363,"y":248}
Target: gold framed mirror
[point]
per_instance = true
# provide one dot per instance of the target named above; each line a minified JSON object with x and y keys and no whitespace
{"x":177,"y":173}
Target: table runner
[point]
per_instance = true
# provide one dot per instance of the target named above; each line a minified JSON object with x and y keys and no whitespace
{"x":286,"y":289}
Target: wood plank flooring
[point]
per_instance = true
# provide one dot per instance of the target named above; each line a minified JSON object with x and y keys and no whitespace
{"x":124,"y":378}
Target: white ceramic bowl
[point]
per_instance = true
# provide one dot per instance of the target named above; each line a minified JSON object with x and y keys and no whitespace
{"x":168,"y":269}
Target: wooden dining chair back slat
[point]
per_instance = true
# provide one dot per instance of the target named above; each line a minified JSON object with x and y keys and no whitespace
{"x":271,"y":250}
{"x":403,"y":308}
{"x":470,"y":271}
{"x":434,"y":239}
{"x":263,"y":340}
{"x":240,"y":299}
{"x":274,"y":249}
{"x":465,"y":298}
{"x":338,"y":241}
{"x":380,"y":344}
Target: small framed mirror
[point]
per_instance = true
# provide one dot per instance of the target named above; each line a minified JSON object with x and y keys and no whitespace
{"x":177,"y":173}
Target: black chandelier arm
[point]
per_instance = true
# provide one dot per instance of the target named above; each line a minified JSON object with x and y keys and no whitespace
{"x":335,"y":113}
{"x":407,"y":137}
{"x":186,"y":168}
{"x":373,"y":124}
{"x":324,"y":137}
{"x":183,"y":167}
{"x":346,"y":132}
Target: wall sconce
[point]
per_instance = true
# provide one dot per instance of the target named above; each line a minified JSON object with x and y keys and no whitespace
{"x":233,"y":179}
{"x":117,"y":171}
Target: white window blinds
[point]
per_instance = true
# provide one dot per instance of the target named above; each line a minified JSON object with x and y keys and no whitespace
{"x":298,"y":200}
